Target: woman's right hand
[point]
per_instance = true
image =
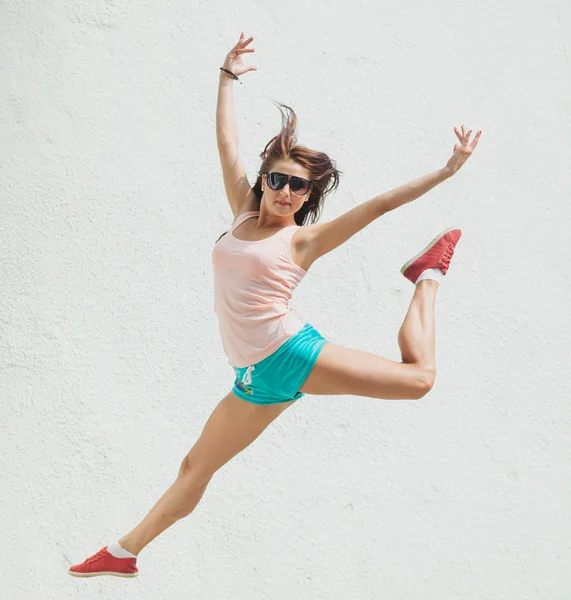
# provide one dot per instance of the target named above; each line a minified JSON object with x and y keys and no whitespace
{"x":233,"y":60}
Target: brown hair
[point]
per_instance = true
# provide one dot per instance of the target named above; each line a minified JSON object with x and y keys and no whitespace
{"x":322,"y":170}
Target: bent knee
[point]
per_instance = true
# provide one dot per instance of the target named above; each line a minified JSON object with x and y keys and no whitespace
{"x":426,"y":382}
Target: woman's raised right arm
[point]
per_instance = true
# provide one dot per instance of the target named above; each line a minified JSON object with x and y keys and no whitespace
{"x":235,"y":180}
{"x":226,"y":124}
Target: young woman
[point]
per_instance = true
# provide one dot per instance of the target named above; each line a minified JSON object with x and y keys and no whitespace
{"x":276,"y":356}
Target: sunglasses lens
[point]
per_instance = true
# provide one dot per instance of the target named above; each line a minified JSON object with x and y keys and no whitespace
{"x":299,"y":186}
{"x":276,"y":180}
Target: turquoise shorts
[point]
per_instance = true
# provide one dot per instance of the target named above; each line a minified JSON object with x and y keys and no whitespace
{"x":279,"y":376}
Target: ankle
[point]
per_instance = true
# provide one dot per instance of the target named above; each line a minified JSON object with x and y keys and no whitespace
{"x":130,"y":546}
{"x":428,"y":283}
{"x":434,"y":274}
{"x":426,"y":289}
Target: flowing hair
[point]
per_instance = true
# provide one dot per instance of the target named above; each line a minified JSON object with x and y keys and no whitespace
{"x":323,"y":172}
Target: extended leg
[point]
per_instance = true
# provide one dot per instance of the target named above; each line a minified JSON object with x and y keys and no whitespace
{"x":233,"y":425}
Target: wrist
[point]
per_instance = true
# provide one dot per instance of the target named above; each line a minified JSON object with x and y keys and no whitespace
{"x":229,"y":72}
{"x":447,"y":172}
{"x":224,"y":75}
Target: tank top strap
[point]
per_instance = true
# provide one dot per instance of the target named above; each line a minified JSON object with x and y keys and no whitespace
{"x":288,"y":232}
{"x":241,"y":218}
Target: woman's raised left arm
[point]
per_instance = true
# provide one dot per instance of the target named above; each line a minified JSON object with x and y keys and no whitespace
{"x":416,"y":188}
{"x":321,"y":238}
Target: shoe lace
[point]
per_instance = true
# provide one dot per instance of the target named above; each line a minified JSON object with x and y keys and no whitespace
{"x":97,"y":556}
{"x":444,"y":260}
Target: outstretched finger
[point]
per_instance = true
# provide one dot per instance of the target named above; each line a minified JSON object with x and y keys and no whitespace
{"x":238,"y":42}
{"x":246,"y":42}
{"x":240,"y":50}
{"x":475,"y":140}
{"x":457,"y":133}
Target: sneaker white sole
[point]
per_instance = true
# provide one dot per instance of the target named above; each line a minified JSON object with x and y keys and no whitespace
{"x":408,"y":263}
{"x":73,"y":574}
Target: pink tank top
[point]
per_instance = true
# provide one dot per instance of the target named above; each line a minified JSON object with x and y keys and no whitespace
{"x":253,"y":284}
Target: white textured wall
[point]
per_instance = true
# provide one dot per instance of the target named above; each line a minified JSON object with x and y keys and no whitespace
{"x":110,"y":362}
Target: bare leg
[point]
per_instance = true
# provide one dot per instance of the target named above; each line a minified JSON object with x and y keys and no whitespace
{"x":233,"y":425}
{"x":416,"y":336}
{"x":340,"y":370}
{"x":177,"y":502}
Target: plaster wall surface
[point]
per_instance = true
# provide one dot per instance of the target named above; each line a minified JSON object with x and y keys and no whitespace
{"x":111,"y":199}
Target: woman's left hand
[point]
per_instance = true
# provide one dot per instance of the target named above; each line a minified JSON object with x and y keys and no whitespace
{"x":463,"y":150}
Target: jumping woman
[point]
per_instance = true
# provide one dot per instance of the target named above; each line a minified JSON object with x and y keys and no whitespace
{"x":276,"y":356}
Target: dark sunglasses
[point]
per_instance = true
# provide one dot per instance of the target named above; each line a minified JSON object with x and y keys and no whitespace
{"x":298,"y":185}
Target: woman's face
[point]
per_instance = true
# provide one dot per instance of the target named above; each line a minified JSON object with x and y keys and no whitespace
{"x":292,"y":200}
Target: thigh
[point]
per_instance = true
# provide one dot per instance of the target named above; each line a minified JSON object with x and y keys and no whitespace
{"x":340,"y":370}
{"x":233,"y":425}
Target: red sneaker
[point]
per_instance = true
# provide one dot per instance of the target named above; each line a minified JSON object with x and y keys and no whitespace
{"x":436,"y":255}
{"x":104,"y":563}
